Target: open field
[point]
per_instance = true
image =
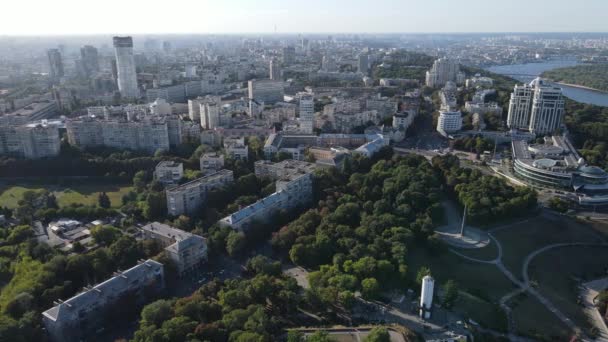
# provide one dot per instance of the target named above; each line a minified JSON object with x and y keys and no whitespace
{"x":66,"y":194}
{"x":531,"y":318}
{"x":523,"y":238}
{"x":488,"y":253}
{"x":481,"y":311}
{"x":558,"y":272}
{"x":484,"y":281}
{"x":481,"y":285}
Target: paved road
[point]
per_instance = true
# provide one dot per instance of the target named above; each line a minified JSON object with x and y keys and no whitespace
{"x":525,"y":285}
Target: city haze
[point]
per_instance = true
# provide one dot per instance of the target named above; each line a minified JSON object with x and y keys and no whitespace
{"x":70,"y":17}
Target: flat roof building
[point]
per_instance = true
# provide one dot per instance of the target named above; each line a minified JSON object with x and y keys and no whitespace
{"x":188,"y":198}
{"x":188,"y":251}
{"x":88,"y":312}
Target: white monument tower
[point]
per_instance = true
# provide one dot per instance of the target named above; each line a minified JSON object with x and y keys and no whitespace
{"x":426,"y":297}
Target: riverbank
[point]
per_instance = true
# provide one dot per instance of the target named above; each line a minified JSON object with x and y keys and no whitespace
{"x":580,"y":87}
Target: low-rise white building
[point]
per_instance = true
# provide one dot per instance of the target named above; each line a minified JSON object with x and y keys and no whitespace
{"x":85,"y":314}
{"x":169,"y":172}
{"x":188,"y":251}
{"x":211,"y":162}
{"x":236,"y":148}
{"x":293,"y":189}
{"x":189,"y":197}
{"x":449,"y":121}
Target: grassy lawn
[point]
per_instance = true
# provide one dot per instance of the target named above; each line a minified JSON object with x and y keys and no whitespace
{"x":481,"y":311}
{"x":74,"y":193}
{"x":481,"y":285}
{"x":481,"y":280}
{"x":532,"y":319}
{"x":523,"y":238}
{"x":489,"y":252}
{"x":557,"y":271}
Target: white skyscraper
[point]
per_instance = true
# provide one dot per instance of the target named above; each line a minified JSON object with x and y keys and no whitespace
{"x":125,"y":64}
{"x":520,"y":106}
{"x":537,"y":107}
{"x":307,"y":112}
{"x":443,"y":70}
{"x":547,"y":108}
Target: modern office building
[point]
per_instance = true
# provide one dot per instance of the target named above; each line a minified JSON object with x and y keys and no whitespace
{"x":125,"y":64}
{"x":55,"y":64}
{"x":289,"y":55}
{"x":556,"y":163}
{"x":187,"y":251}
{"x":449,"y":121}
{"x":537,"y":107}
{"x":293,"y":189}
{"x":275,"y":70}
{"x":169,"y":172}
{"x":90,"y":59}
{"x":188,"y":198}
{"x":267,"y":91}
{"x":442,"y":71}
{"x":91,"y":311}
{"x":307,"y":112}
{"x":363,"y":63}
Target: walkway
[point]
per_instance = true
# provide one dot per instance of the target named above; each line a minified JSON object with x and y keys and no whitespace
{"x":525,"y":285}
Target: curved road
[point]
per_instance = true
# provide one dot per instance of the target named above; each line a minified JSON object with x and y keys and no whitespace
{"x":525,"y":285}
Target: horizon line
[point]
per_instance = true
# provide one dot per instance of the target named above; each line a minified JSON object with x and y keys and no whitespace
{"x":272,"y":33}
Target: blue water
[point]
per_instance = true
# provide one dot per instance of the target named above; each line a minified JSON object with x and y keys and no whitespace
{"x":527,"y":72}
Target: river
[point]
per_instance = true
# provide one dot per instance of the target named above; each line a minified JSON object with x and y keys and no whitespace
{"x":526,"y":72}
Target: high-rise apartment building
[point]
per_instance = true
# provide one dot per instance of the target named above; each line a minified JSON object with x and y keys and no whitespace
{"x":210,"y":115}
{"x":125,"y":65}
{"x":55,"y":64}
{"x":363,"y":63}
{"x":275,"y":70}
{"x":90,"y":59}
{"x":520,"y":106}
{"x":442,"y":71}
{"x":307,"y":112}
{"x":30,"y":141}
{"x":537,"y":107}
{"x":267,"y":91}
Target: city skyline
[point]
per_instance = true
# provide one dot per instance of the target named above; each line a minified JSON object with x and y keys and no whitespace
{"x":269,"y":16}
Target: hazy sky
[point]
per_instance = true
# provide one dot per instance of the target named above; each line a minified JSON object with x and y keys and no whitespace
{"x":48,"y":17}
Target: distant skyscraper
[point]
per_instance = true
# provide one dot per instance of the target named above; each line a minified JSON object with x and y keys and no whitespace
{"x":537,"y":106}
{"x":125,"y":65}
{"x":328,"y":63}
{"x":363,"y":64}
{"x":55,"y":64}
{"x":307,"y":112}
{"x":90,"y":59}
{"x":275,"y":70}
{"x":289,"y":55}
